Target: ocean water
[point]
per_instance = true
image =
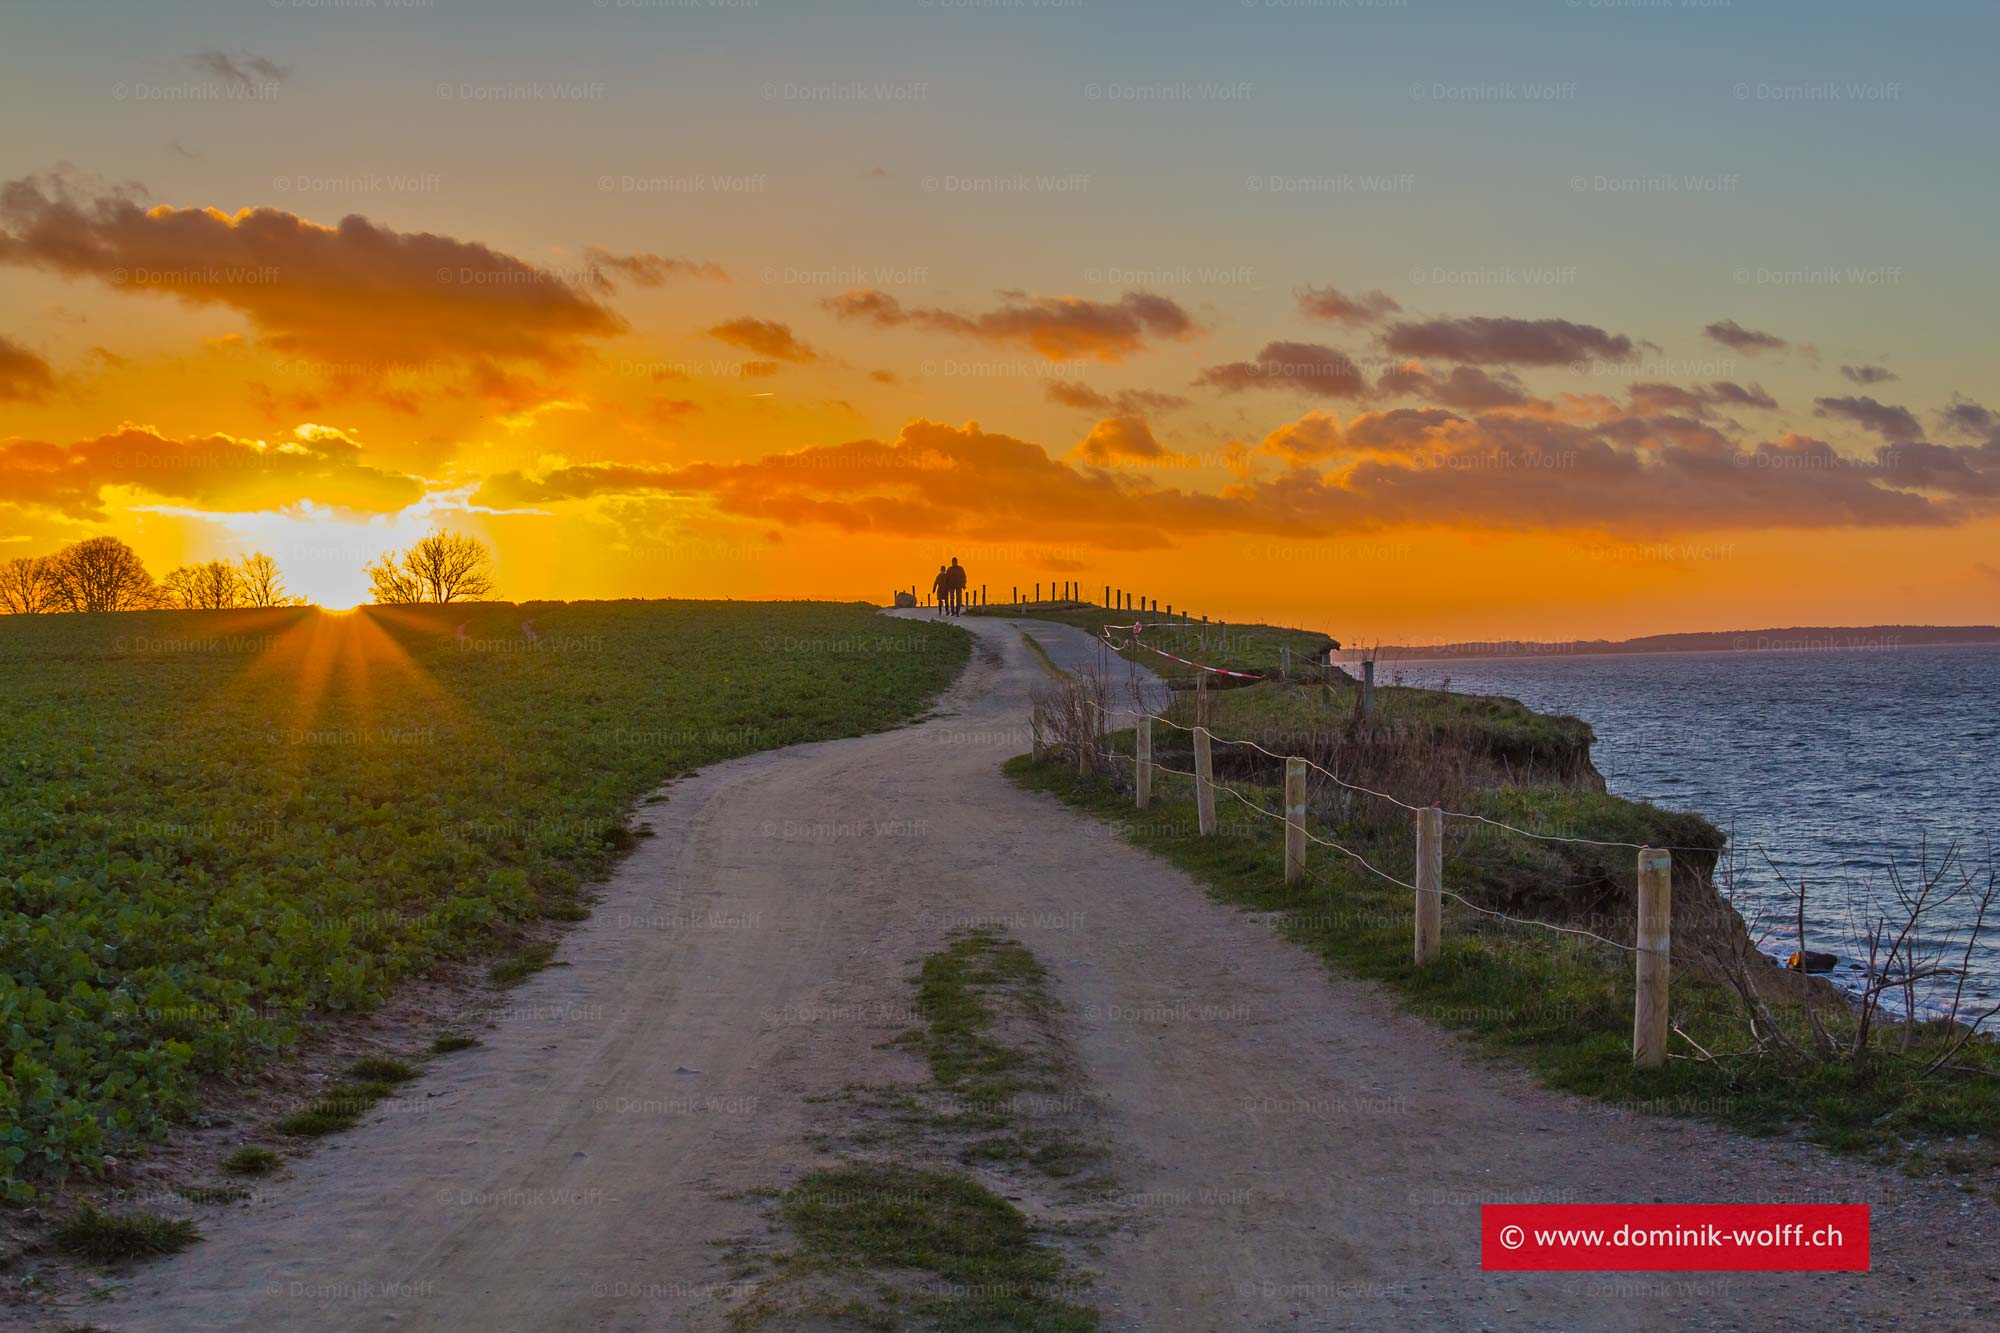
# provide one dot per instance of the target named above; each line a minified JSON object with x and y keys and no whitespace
{"x":1835,"y":763}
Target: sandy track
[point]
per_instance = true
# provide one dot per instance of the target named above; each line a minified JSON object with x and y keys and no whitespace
{"x":1297,"y":1154}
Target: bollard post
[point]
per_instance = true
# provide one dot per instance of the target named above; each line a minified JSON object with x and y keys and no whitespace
{"x":1107,"y":597}
{"x":1204,"y":782}
{"x":1654,"y":938}
{"x":1430,"y":882}
{"x":1295,"y":819}
{"x":1143,"y":755}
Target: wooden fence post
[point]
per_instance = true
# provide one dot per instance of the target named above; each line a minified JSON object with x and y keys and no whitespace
{"x":1654,"y":937}
{"x":1430,"y":882}
{"x":1295,"y":819}
{"x":1204,"y":782}
{"x":1367,"y":687}
{"x":1285,"y":662}
{"x":1201,"y":699}
{"x":1143,"y":751}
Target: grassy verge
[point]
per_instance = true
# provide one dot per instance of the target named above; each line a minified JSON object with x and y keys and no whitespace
{"x":904,"y":1224}
{"x":1559,"y":1007}
{"x":213,"y":823}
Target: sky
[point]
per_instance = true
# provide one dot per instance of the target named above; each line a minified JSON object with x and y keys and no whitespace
{"x":1404,"y":321}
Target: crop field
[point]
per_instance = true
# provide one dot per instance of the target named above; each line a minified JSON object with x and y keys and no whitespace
{"x":214,"y":822}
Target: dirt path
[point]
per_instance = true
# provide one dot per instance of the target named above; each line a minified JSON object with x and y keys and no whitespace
{"x":1299,"y":1155}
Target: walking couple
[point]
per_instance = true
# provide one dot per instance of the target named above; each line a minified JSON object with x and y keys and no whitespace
{"x":949,"y":585}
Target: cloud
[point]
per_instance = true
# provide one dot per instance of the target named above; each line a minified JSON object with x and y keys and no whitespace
{"x":1479,"y":340}
{"x":765,"y":337}
{"x":1868,"y":374}
{"x":241,"y":72}
{"x":1117,"y":440}
{"x":1465,"y":387}
{"x":24,"y":377}
{"x":354,"y":294}
{"x":1969,"y":418}
{"x":650,"y":270}
{"x":1895,"y":424}
{"x":213,"y":472}
{"x":1739,"y":339}
{"x":1648,"y":398}
{"x":1129,"y":402}
{"x":1330,"y":303}
{"x":1736,"y":395}
{"x":1057,"y":328}
{"x":1308,"y":367}
{"x":1381,"y":469}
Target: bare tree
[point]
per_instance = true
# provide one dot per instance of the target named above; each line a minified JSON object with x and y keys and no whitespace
{"x":443,"y":567}
{"x":260,"y":584}
{"x":211,"y":586}
{"x":102,"y":574}
{"x":27,"y":586}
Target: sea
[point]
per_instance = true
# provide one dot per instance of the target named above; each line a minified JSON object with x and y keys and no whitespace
{"x":1849,"y":770}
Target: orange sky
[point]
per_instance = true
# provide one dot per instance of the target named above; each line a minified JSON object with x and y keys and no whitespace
{"x":631,"y":423}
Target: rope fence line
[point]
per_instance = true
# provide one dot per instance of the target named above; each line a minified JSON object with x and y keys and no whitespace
{"x":1650,"y":950}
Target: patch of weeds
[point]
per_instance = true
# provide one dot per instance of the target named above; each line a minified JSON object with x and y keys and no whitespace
{"x":251,"y":1161}
{"x":109,"y":1238}
{"x":453,"y":1041}
{"x":381,"y":1069}
{"x":337,"y":1109}
{"x":871,"y":1216}
{"x":531,"y":959}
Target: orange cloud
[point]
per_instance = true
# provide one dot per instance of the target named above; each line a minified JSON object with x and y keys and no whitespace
{"x":1057,"y":328}
{"x":1116,"y":440}
{"x":1382,"y":469}
{"x":217,"y":472}
{"x":355,"y":293}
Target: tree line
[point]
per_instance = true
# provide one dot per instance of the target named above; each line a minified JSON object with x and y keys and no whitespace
{"x":104,"y":574}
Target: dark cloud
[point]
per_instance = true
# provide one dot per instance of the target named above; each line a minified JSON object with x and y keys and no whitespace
{"x":1361,"y":308}
{"x":1969,"y":418}
{"x":240,"y":71}
{"x":650,"y":270}
{"x":351,"y":293}
{"x":1739,"y":339}
{"x":1059,"y":328}
{"x":765,"y":337}
{"x":1892,"y":423}
{"x":1868,"y":374}
{"x":1307,"y":367}
{"x":1479,"y":340}
{"x":1129,"y":402}
{"x":1466,"y":387}
{"x":1648,"y":398}
{"x":1736,"y":395}
{"x":24,"y":377}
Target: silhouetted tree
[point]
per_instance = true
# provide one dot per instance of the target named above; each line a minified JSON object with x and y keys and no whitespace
{"x":102,"y":574}
{"x":260,"y":584}
{"x":27,"y":586}
{"x":443,"y":567}
{"x":212,"y":586}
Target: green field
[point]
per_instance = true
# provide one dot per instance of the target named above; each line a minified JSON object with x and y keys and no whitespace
{"x":214,"y":822}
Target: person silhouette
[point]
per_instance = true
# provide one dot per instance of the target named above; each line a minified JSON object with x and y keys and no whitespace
{"x":957,"y":587}
{"x":941,"y":589}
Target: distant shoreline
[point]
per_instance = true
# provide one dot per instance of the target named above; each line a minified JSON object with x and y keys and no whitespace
{"x":1796,"y":639}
